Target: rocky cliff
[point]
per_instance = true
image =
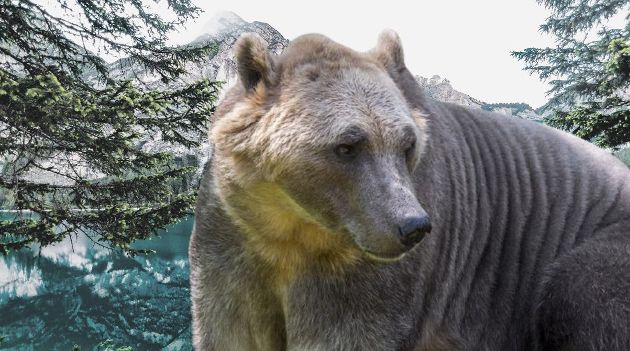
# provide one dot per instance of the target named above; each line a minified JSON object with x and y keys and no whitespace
{"x":441,"y":89}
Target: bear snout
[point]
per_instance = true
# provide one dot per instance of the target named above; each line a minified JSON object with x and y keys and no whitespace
{"x":413,"y":230}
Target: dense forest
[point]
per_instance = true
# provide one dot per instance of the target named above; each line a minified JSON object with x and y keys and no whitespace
{"x":71,"y":131}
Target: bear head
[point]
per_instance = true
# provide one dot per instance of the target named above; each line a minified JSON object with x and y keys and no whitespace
{"x":317,"y":147}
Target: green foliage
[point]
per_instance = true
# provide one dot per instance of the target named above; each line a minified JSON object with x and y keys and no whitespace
{"x":517,"y":107}
{"x":589,"y":69}
{"x":70,"y":133}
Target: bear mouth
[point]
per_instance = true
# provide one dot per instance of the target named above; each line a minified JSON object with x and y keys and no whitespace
{"x":372,"y":255}
{"x":379,"y":257}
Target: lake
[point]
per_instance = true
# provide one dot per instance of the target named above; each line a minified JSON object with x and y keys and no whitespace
{"x":78,"y":293}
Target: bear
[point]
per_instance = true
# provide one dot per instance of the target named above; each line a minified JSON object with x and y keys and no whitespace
{"x":343,"y":209}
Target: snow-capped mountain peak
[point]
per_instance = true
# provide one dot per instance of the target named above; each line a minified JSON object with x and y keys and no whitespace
{"x":222,"y":21}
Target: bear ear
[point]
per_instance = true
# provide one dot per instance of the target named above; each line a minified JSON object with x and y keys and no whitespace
{"x":389,"y":51}
{"x":253,"y":61}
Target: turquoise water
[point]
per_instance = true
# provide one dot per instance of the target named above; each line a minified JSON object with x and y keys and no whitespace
{"x":76,"y":293}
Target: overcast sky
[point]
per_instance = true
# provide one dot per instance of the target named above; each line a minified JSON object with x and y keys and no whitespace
{"x":468,"y":42}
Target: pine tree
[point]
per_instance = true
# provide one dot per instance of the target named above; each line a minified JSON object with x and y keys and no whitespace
{"x":589,"y":69}
{"x":63,"y":114}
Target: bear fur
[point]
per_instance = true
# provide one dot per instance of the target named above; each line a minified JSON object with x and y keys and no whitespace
{"x":321,"y":153}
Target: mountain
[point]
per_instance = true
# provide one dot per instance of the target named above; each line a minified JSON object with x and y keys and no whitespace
{"x":224,"y":29}
{"x":440,"y":89}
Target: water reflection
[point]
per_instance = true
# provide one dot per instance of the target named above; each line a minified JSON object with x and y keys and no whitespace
{"x":76,"y":292}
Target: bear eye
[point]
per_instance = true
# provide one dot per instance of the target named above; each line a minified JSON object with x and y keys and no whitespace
{"x":409,"y":149}
{"x":345,"y":151}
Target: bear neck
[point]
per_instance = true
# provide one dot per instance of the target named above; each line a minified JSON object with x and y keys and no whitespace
{"x":283,"y":236}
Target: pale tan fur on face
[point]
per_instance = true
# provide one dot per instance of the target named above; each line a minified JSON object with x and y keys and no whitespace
{"x":277,"y":123}
{"x":279,"y":230}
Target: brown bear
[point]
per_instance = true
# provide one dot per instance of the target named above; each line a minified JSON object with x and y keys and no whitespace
{"x":344,"y":210}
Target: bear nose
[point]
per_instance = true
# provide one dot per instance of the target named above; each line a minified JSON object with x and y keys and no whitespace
{"x":414,"y":229}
